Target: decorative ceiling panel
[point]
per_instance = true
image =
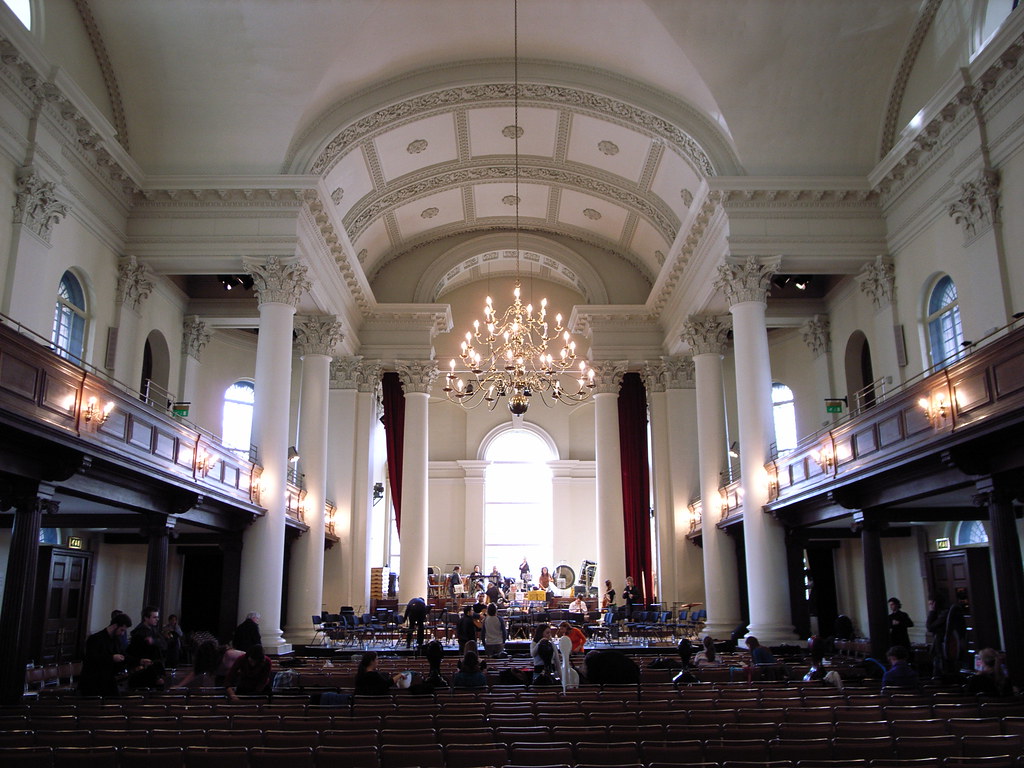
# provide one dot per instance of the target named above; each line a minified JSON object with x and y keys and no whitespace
{"x":498,"y":200}
{"x":349,"y":180}
{"x":372,"y":244}
{"x":490,"y":134}
{"x":417,"y":145}
{"x":426,"y":213}
{"x":649,"y":245}
{"x":676,"y":183}
{"x":592,"y":214}
{"x":610,"y":147}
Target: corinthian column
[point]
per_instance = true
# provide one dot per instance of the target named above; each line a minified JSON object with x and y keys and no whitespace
{"x":707,"y":339}
{"x":417,"y":379}
{"x":133,"y":288}
{"x":611,"y":552}
{"x":316,"y":337}
{"x":195,"y":335}
{"x":746,"y":287}
{"x":278,"y":286}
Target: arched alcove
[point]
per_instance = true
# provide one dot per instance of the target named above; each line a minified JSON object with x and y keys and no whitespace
{"x":859,"y":371}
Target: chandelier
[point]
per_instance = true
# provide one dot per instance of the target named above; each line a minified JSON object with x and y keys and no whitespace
{"x":508,"y":357}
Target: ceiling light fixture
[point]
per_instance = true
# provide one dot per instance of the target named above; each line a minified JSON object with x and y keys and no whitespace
{"x":235,"y":282}
{"x":508,"y":356}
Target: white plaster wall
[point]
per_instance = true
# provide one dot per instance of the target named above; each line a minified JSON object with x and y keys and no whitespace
{"x":230,"y":356}
{"x":120,"y":577}
{"x":792,"y":365}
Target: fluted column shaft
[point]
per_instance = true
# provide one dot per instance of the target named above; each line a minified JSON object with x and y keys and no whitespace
{"x":611,"y":554}
{"x":662,"y":486}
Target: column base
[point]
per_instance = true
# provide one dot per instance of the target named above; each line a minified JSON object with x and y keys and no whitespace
{"x":299,"y":635}
{"x":775,"y":634}
{"x":720,"y":630}
{"x":274,"y":643}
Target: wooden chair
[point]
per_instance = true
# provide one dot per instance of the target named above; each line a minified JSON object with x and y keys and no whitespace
{"x":279,"y":757}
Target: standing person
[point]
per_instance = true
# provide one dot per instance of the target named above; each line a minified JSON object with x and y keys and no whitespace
{"x":147,"y":647}
{"x":494,"y":594}
{"x":575,"y":635}
{"x":544,"y":580}
{"x":476,"y":579}
{"x":455,"y":580}
{"x":935,"y":623}
{"x":608,"y":598}
{"x":630,"y":595}
{"x":173,"y":636}
{"x":524,"y":573}
{"x":250,"y":675}
{"x":415,"y":614}
{"x":899,"y":623}
{"x":493,"y":632}
{"x":494,"y":577}
{"x":465,"y":629}
{"x":247,"y":633}
{"x":104,"y":658}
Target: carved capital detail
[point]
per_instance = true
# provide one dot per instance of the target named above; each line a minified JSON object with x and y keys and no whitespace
{"x":608,"y":376}
{"x":878,"y":281}
{"x":749,"y":280}
{"x":817,"y":336}
{"x":368,"y":380}
{"x":36,"y":204}
{"x":345,"y":372}
{"x":417,"y":375}
{"x":133,"y":283}
{"x":317,"y":334}
{"x":654,"y":376}
{"x":706,"y":334}
{"x":195,"y":335}
{"x":277,"y":281}
{"x":679,"y":372}
{"x":977,"y":208}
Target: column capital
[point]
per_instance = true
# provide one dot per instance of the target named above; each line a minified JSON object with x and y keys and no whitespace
{"x":317,"y":334}
{"x":345,"y":372}
{"x":748,"y":280}
{"x":706,"y":334}
{"x":417,"y":375}
{"x":817,"y":336}
{"x":680,"y":372}
{"x":276,"y":281}
{"x":977,"y":208}
{"x":608,"y":376}
{"x":133,"y":283}
{"x":878,"y":281}
{"x":654,"y":376}
{"x":36,"y":205}
{"x":194,"y":337}
{"x":368,"y":376}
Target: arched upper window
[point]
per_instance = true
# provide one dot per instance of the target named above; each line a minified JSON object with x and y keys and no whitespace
{"x":69,"y":319}
{"x":236,"y":430}
{"x":517,"y":502}
{"x":784,"y":414}
{"x":970,"y":532}
{"x":23,"y":10}
{"x":945,"y":334}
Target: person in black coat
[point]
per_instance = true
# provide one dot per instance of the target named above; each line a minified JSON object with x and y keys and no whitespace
{"x":466,"y":628}
{"x":247,"y":634}
{"x":899,"y":623}
{"x":415,"y":614}
{"x":104,"y":658}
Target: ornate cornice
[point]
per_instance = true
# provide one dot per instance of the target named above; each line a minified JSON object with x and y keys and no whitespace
{"x":234,"y":197}
{"x":344,"y":372}
{"x":816,"y":335}
{"x":417,"y":375}
{"x":439,"y":322}
{"x":608,"y":376}
{"x":317,"y":334}
{"x":878,"y":281}
{"x":804,"y":198}
{"x":345,"y":266}
{"x":977,"y":208}
{"x":36,"y":205}
{"x":530,"y":94}
{"x":277,"y":281}
{"x":679,"y":372}
{"x":706,"y":334}
{"x":749,"y":280}
{"x":194,"y":337}
{"x":99,"y":49}
{"x":133,"y":285}
{"x":693,"y":239}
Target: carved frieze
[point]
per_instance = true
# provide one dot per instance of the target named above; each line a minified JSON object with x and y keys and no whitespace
{"x":133,"y":283}
{"x":706,"y":334}
{"x":977,"y":208}
{"x":816,"y":335}
{"x":749,"y":280}
{"x":417,"y":375}
{"x":36,"y":205}
{"x":276,"y":281}
{"x":194,"y":337}
{"x":878,"y":281}
{"x":317,"y":334}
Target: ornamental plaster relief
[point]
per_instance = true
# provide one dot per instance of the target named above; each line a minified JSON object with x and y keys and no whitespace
{"x":36,"y":205}
{"x":816,"y":334}
{"x":710,"y":205}
{"x":344,"y":372}
{"x":133,"y":283}
{"x":977,"y":208}
{"x":706,"y":334}
{"x":878,"y":282}
{"x":195,"y":336}
{"x":654,"y":375}
{"x":277,"y":281}
{"x":317,"y":334}
{"x":417,"y":375}
{"x":680,"y":372}
{"x":749,"y":280}
{"x":608,"y":376}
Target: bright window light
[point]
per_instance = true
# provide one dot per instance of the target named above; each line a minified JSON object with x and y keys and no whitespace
{"x":23,"y":10}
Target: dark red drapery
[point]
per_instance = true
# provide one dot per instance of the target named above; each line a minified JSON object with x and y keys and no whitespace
{"x":394,"y":436}
{"x":636,"y":485}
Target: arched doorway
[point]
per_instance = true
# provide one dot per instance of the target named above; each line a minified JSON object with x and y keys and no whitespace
{"x":859,"y":372}
{"x":156,"y":371}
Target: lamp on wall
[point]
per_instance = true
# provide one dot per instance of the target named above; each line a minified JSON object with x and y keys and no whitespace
{"x":825,"y":457}
{"x":935,"y":407}
{"x":92,"y":413}
{"x":205,"y":462}
{"x":378,"y":492}
{"x":293,"y":455}
{"x":734,"y":450}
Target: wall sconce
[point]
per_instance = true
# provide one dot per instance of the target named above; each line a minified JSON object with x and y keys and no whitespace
{"x":936,"y":407}
{"x":293,"y":455}
{"x":378,"y":492}
{"x":825,"y":457}
{"x":205,"y":462}
{"x":93,"y":413}
{"x":734,"y":450}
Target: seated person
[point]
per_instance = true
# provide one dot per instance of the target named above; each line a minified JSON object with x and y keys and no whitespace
{"x":608,"y":667}
{"x":250,"y":675}
{"x":707,"y":655}
{"x":494,"y":594}
{"x":494,"y":577}
{"x":991,"y":679}
{"x":900,"y":674}
{"x":565,"y":629}
{"x":470,"y":674}
{"x":370,"y":681}
{"x":759,"y":655}
{"x":578,"y":607}
{"x":544,"y":580}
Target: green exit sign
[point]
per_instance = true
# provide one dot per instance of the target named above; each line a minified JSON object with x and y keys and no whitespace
{"x":835,"y":406}
{"x":180,"y":410}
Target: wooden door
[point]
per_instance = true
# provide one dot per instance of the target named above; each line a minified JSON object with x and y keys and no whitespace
{"x":62,"y":598}
{"x":965,"y":577}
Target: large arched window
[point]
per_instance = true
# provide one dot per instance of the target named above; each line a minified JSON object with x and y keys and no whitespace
{"x":784,"y":414}
{"x":945,"y":334}
{"x":517,"y":502}
{"x":236,"y":429}
{"x":69,"y":319}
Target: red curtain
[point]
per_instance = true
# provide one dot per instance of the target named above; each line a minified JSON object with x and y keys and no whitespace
{"x":394,"y":435}
{"x":636,"y":485}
